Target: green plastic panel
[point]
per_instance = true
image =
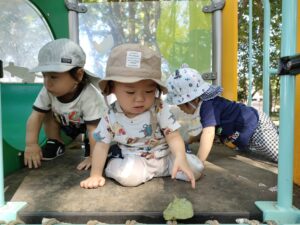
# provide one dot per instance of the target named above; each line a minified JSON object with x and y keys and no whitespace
{"x":17,"y":100}
{"x":184,"y":34}
{"x":13,"y":159}
{"x":56,"y":15}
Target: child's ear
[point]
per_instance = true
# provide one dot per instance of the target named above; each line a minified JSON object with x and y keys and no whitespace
{"x":79,"y":74}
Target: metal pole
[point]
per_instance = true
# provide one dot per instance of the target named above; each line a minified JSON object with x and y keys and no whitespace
{"x":74,"y":9}
{"x":73,"y":24}
{"x":216,"y":9}
{"x":287,"y":107}
{"x":266,"y":58}
{"x":217,"y":43}
{"x":250,"y":55}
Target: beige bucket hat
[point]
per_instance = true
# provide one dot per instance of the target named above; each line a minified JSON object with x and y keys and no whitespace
{"x":129,"y":63}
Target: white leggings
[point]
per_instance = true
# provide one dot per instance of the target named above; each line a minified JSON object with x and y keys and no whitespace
{"x":134,"y":170}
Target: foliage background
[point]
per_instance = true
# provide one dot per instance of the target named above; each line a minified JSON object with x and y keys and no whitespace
{"x":156,"y":22}
{"x":257,"y":35}
{"x":178,"y":29}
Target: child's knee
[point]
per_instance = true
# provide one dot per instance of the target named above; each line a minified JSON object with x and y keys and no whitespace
{"x":195,"y":164}
{"x":129,"y":181}
{"x":128,"y":171}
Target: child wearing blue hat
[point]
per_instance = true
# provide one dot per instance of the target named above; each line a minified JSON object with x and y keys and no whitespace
{"x":236,"y":124}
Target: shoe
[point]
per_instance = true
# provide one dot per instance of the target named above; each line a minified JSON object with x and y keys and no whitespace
{"x":114,"y":152}
{"x":52,"y":149}
{"x":86,"y":148}
{"x":187,"y":148}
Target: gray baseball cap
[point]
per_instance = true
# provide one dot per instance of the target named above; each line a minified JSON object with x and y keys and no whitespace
{"x":61,"y":55}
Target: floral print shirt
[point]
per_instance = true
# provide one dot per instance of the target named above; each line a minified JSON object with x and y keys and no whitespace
{"x":144,"y":134}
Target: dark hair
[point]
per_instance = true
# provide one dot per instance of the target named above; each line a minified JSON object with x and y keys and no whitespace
{"x":85,"y":79}
{"x":108,"y":88}
{"x":110,"y":85}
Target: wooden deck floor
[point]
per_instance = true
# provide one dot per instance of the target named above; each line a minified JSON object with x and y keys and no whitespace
{"x":231,"y":185}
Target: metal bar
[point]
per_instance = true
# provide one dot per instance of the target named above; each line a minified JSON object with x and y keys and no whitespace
{"x":282,"y":211}
{"x":217,"y":44}
{"x":273,"y":71}
{"x":287,"y":107}
{"x":250,"y":55}
{"x":266,"y":58}
{"x":73,"y":22}
{"x":216,"y":9}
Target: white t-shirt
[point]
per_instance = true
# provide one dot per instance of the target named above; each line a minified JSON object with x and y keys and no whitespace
{"x":88,"y":106}
{"x":134,"y":135}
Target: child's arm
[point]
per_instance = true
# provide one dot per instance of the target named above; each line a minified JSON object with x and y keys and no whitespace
{"x":33,"y":153}
{"x":193,"y":139}
{"x":86,"y":163}
{"x":206,"y":142}
{"x":177,"y":147}
{"x":96,"y":178}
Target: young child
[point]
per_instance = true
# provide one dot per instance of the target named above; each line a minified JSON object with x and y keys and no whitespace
{"x":68,"y":101}
{"x":236,"y":124}
{"x":140,"y":123}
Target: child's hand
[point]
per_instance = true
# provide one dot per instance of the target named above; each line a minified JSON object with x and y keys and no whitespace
{"x":93,"y":182}
{"x":180,"y":164}
{"x":32,"y":156}
{"x":85,"y":164}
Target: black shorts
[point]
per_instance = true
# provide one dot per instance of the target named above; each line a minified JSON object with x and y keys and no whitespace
{"x":73,"y":131}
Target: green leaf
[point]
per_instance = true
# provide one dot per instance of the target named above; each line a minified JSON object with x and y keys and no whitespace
{"x":179,"y":208}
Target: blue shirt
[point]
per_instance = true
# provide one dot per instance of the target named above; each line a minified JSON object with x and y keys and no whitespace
{"x":234,"y":121}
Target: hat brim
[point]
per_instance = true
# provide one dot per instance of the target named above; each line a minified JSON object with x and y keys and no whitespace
{"x":54,"y":68}
{"x":103,"y":83}
{"x":94,"y":79}
{"x":177,"y":99}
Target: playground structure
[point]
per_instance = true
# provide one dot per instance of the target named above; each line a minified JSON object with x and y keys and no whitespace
{"x":282,"y":211}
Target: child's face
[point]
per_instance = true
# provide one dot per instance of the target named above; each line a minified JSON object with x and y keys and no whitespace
{"x":135,"y":98}
{"x":59,"y":84}
{"x":189,"y":107}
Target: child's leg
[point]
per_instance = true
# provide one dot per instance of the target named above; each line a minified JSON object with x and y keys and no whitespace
{"x":54,"y":146}
{"x":195,"y":164}
{"x":129,"y":171}
{"x":52,"y":128}
{"x":266,"y":138}
{"x":135,"y":170}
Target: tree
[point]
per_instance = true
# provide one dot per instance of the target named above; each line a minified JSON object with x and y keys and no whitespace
{"x":258,"y":29}
{"x":178,"y":29}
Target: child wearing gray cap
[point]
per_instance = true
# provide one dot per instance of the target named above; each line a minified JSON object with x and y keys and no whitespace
{"x":68,"y":101}
{"x":236,"y":124}
{"x":140,"y":123}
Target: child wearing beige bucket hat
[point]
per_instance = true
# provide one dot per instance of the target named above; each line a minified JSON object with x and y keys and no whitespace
{"x":236,"y":124}
{"x":67,"y":101}
{"x":140,"y":123}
